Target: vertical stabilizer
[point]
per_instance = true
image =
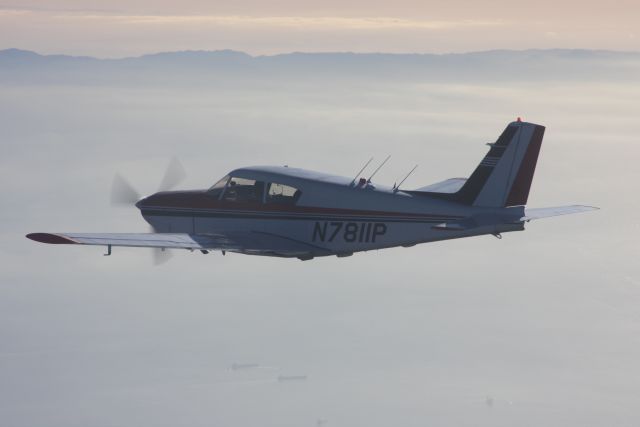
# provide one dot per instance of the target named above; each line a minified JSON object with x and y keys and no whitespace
{"x":503,"y":177}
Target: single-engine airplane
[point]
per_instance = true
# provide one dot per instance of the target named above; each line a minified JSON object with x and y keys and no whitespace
{"x":296,"y":213}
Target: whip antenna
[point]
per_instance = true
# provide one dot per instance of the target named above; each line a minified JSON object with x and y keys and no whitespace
{"x":397,"y":187}
{"x":361,"y":170}
{"x":379,"y":167}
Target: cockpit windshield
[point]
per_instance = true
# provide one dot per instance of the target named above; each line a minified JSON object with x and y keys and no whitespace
{"x":244,"y":190}
{"x":217,"y":188}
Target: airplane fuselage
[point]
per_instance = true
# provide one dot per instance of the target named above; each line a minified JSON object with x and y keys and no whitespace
{"x":360,"y":219}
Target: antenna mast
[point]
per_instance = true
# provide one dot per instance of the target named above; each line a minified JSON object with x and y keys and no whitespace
{"x":379,"y":167}
{"x":361,"y":170}
{"x":397,"y":187}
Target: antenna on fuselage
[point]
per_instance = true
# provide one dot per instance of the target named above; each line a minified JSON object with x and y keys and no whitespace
{"x":361,"y":170}
{"x":379,"y":167}
{"x":397,"y":187}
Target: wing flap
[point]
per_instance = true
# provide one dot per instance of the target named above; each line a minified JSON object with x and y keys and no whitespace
{"x":539,"y":213}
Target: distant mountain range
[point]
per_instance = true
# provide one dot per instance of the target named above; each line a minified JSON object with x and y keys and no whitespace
{"x":196,"y":67}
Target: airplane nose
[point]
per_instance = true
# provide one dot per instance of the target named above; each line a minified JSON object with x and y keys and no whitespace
{"x":140,"y":203}
{"x":172,"y":199}
{"x":149,"y":201}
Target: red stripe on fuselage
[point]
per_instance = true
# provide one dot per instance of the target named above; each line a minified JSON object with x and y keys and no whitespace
{"x":201,"y":200}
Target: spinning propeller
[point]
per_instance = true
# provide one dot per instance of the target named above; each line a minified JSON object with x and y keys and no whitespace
{"x":125,"y":194}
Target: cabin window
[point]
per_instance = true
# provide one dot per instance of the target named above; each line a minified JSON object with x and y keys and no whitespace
{"x":243,"y":190}
{"x":282,"y":194}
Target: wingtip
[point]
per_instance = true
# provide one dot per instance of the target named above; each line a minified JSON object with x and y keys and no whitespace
{"x":54,"y":239}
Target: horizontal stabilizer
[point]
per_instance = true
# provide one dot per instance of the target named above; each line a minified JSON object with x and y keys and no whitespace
{"x":450,"y":185}
{"x":539,"y":213}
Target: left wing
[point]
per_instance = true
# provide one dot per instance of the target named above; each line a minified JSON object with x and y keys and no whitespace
{"x":255,"y":243}
{"x":139,"y":240}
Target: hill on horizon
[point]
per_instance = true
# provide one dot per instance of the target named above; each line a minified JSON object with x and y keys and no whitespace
{"x":23,"y":66}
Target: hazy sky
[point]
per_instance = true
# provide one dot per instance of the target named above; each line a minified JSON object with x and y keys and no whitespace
{"x":541,"y":328}
{"x":120,"y":28}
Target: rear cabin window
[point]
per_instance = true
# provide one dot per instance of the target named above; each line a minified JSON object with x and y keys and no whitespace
{"x":243,"y":190}
{"x":282,"y":194}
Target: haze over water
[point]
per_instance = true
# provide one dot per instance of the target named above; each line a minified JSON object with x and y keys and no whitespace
{"x":539,"y":328}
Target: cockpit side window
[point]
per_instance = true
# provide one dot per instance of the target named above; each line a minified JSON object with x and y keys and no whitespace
{"x":282,"y":194}
{"x":244,"y":190}
{"x":216,"y":189}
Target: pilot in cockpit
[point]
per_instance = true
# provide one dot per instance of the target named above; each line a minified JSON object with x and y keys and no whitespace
{"x":244,"y":192}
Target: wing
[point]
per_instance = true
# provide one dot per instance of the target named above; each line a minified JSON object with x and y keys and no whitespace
{"x":139,"y":240}
{"x":539,"y":213}
{"x":254,"y":243}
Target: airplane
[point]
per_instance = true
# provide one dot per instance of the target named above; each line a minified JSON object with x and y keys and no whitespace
{"x":283,"y":211}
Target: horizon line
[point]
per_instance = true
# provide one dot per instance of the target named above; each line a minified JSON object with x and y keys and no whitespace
{"x":229,"y":50}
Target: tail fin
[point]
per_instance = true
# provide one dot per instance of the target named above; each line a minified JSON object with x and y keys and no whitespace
{"x":503,"y":177}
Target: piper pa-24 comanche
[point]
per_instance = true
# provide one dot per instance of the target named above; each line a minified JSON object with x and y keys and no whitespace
{"x":296,"y":213}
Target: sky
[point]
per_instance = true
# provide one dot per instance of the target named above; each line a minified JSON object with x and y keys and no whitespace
{"x":123,"y":28}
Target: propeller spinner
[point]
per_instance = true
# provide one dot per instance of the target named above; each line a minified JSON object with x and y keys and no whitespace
{"x":125,"y":194}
